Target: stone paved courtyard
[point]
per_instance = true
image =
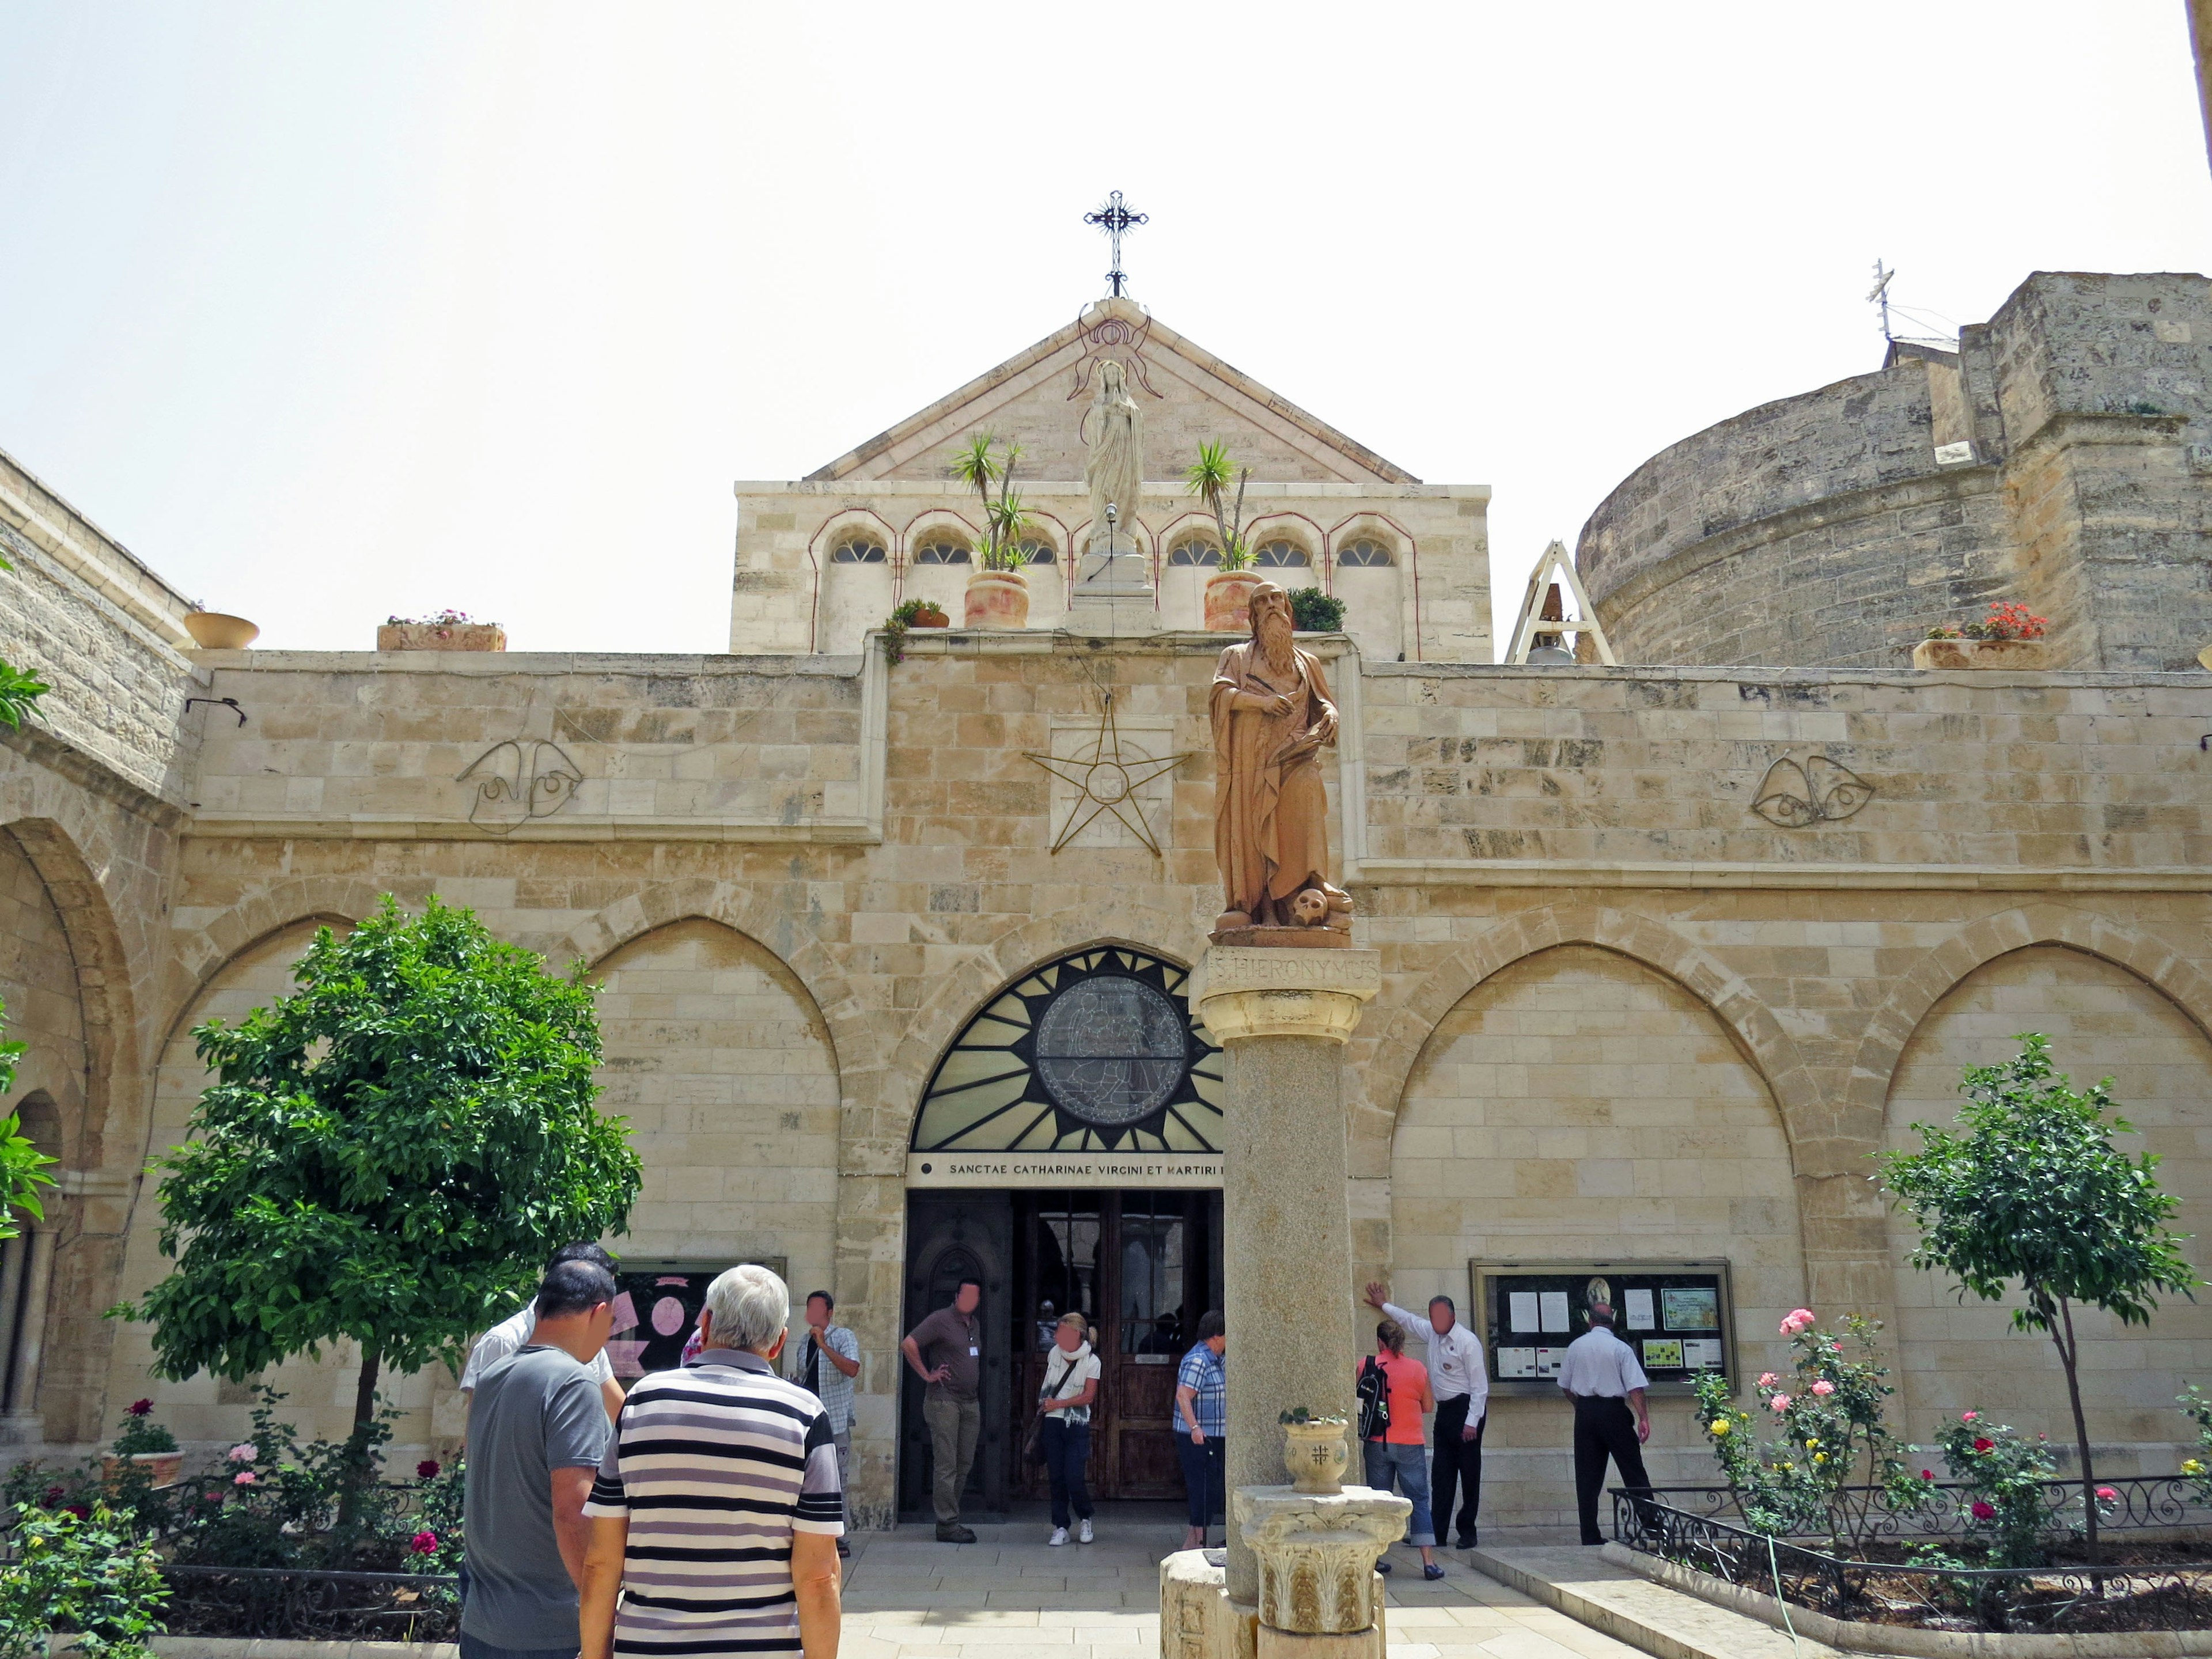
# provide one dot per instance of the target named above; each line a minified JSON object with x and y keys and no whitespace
{"x":907,"y":1596}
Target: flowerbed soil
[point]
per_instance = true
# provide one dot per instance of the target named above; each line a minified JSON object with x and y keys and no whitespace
{"x":2171,"y":1589}
{"x":309,"y":1609}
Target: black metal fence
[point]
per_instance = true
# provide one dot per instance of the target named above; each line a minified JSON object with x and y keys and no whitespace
{"x":301,"y":1605}
{"x":2068,"y":1598}
{"x":2141,"y":1503}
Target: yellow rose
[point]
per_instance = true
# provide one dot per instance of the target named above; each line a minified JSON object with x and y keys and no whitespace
{"x":1720,"y":1425}
{"x":1819,"y":1457}
{"x":2192,"y":1467}
{"x":1809,"y":1444}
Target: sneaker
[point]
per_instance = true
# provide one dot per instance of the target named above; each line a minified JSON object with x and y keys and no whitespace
{"x":952,"y":1532}
{"x":1059,"y":1537}
{"x":1082,"y":1533}
{"x":1434,"y":1570}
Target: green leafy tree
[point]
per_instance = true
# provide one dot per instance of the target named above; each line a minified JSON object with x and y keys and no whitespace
{"x":388,"y":1154}
{"x":21,"y":1163}
{"x":2034,"y":1192}
{"x":980,"y":463}
{"x":1209,"y":478}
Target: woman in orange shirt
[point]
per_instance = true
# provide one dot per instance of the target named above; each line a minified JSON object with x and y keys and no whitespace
{"x":1394,"y":1396}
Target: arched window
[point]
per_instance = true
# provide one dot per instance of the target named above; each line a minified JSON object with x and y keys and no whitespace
{"x":1281,"y":555}
{"x":1097,"y":1051}
{"x":858,"y":550}
{"x":1364,"y":553}
{"x":1195,"y":550}
{"x":1035,"y":549}
{"x":940,"y":547}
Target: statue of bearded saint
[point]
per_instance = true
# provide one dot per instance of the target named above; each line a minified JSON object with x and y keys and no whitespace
{"x":1272,"y":713}
{"x":1114,"y":469}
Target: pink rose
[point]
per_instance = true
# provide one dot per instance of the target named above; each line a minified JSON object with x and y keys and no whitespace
{"x":1968,"y":1417}
{"x":242,"y":1453}
{"x":1824,"y":1388}
{"x":1798,"y":1319}
{"x":423,"y":1542}
{"x":2107,"y":1495}
{"x":1984,"y":1511}
{"x":1767,"y":1379}
{"x":1779,"y":1404}
{"x":243,"y":1478}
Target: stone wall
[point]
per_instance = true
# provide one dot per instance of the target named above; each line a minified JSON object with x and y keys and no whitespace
{"x":1826,"y":529}
{"x":1537,"y":851}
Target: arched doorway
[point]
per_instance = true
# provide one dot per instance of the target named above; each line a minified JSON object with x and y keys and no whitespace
{"x":1066,"y":1154}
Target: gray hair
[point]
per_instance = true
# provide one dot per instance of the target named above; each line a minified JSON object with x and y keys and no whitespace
{"x":751,"y":1308}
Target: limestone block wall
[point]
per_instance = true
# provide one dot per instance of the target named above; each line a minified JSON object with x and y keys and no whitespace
{"x":791,"y":594}
{"x":1825,"y":530}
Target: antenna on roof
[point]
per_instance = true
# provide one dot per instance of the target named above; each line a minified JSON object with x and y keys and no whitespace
{"x":1879,"y":295}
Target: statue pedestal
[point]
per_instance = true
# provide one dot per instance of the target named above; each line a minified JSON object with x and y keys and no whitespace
{"x":1283,"y":1015}
{"x":1111,"y":596}
{"x":1319,"y":1592}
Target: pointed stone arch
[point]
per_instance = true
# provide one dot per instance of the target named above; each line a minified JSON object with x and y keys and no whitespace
{"x":1916,"y":992}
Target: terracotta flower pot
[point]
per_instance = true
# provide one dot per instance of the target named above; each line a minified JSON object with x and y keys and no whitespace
{"x":930,"y":616}
{"x":214,"y":630}
{"x":1315,"y":1455}
{"x":2030,"y":655}
{"x":1229,"y":600}
{"x":440,"y":636}
{"x":997,"y":598}
{"x":163,"y":1468}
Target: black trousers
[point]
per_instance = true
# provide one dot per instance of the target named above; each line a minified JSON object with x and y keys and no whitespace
{"x":1603,"y":1428}
{"x":1457,"y":1463}
{"x":1205,"y":1471}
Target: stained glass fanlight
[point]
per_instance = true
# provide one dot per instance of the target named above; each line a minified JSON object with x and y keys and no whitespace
{"x":1096,"y":1052}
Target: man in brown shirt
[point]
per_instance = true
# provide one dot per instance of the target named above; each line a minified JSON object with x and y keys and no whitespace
{"x":946,"y":1353}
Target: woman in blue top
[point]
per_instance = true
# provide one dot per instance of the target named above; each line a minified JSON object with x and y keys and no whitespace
{"x":1200,"y":1422}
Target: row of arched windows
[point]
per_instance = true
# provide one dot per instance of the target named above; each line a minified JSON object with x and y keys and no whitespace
{"x":941,"y":547}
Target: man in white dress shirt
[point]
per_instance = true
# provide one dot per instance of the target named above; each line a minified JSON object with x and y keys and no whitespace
{"x":1600,"y":1374}
{"x":516,"y":1331}
{"x":1461,"y":1378}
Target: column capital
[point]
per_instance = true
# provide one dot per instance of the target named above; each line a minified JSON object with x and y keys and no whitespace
{"x":1247,"y":991}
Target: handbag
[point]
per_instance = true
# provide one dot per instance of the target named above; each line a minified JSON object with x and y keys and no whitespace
{"x":1033,"y":1442}
{"x":1374,"y":1391}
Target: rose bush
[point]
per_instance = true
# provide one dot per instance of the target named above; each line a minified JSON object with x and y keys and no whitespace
{"x":2007,"y":1509}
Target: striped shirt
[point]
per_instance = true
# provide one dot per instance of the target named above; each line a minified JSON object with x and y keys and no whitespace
{"x":716,"y":1467}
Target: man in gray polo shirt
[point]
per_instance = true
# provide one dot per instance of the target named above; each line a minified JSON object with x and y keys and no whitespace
{"x":536,"y":1431}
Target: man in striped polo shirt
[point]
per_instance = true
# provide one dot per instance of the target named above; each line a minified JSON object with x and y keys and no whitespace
{"x":717,"y":1510}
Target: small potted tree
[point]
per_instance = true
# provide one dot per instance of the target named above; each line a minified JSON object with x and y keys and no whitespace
{"x":2009,"y":637}
{"x":998,"y":594}
{"x":1228,"y":590}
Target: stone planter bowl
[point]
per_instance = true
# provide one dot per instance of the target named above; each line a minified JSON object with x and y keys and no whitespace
{"x":1229,"y":601}
{"x":997,"y":598}
{"x":2030,"y":655}
{"x":214,"y":630}
{"x":440,"y":636}
{"x":1315,"y":1455}
{"x":164,"y":1467}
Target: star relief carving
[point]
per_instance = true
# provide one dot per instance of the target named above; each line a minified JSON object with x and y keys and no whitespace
{"x":1108,"y":781}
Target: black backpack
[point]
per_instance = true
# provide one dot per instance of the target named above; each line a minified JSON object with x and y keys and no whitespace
{"x":1374,"y":1390}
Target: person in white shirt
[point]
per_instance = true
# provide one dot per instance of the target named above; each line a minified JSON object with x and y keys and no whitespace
{"x":1066,"y":1396}
{"x":1600,"y":1374}
{"x":1461,"y":1377}
{"x":514,"y":1332}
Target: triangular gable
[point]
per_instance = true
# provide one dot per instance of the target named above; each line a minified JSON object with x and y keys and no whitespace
{"x":1038,"y":398}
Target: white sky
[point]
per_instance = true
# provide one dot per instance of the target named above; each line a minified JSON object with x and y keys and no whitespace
{"x":336,"y":310}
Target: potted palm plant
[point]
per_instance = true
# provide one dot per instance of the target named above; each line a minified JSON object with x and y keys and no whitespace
{"x":998,"y":594}
{"x":1228,"y":590}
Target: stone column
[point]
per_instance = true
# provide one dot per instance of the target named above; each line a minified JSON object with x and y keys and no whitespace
{"x":1283,"y":1015}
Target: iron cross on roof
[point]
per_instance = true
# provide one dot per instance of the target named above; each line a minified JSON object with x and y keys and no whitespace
{"x":1115,"y":218}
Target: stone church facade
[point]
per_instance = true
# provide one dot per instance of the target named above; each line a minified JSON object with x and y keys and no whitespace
{"x":1636,"y":1008}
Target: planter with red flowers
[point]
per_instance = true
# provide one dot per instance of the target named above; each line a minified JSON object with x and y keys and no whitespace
{"x":448,"y":630}
{"x":2010,"y":637}
{"x":143,"y":1444}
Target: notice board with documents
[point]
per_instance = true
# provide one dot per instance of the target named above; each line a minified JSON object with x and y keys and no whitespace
{"x":1675,"y":1314}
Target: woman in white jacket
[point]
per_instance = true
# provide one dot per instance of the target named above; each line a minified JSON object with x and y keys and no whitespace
{"x":1066,"y":1397}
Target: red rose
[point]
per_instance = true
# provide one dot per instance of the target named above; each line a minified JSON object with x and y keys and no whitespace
{"x":427,"y":1469}
{"x":53,"y":1495}
{"x":82,"y":1512}
{"x":1984,"y":1511}
{"x":142,"y":1408}
{"x":1927,"y":1474}
{"x":1984,"y":1445}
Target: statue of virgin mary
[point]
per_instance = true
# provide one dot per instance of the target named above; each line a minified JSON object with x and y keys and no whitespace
{"x":1116,"y":468}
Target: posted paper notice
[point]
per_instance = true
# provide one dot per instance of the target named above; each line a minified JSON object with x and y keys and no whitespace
{"x":1640,"y":1315}
{"x":1521,"y":1315}
{"x":1554,"y":1309}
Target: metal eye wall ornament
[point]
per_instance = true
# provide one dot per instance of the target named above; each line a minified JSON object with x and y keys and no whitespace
{"x":536,"y":774}
{"x":1795,"y":796}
